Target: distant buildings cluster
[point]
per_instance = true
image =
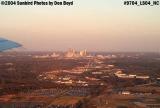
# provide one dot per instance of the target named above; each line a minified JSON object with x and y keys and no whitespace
{"x":120,"y":74}
{"x":73,"y":53}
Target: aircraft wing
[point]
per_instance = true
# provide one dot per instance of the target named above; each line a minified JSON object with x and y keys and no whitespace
{"x":7,"y":44}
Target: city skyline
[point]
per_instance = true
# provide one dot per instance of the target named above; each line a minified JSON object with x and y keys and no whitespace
{"x":92,"y":25}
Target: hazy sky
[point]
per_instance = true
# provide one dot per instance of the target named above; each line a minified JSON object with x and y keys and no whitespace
{"x":95,"y":25}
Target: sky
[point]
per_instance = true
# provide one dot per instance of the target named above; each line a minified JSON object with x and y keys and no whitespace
{"x":95,"y":25}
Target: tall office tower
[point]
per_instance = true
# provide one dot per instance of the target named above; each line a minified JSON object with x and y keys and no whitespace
{"x":71,"y":53}
{"x":83,"y":53}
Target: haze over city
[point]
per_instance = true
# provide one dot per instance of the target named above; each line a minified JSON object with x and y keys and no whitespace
{"x":89,"y":24}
